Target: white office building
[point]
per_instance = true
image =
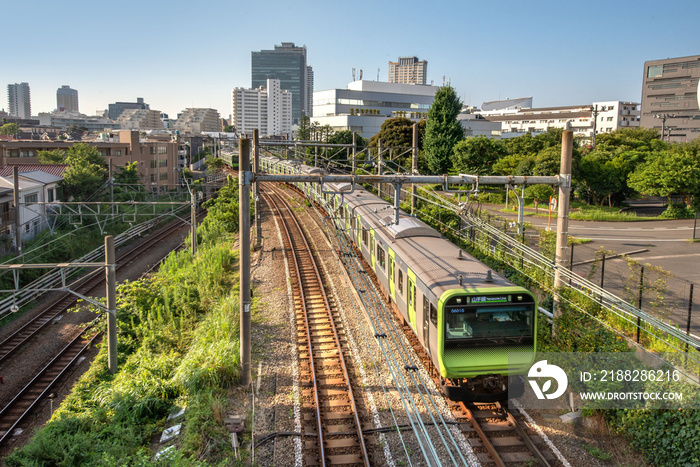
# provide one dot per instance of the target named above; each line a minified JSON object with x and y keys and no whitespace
{"x":267,"y":109}
{"x":365,"y":105}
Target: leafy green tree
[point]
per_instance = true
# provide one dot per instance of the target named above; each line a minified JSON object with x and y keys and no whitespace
{"x":442,"y":130}
{"x":603,"y":174}
{"x":303,"y":131}
{"x":57,"y":156}
{"x":477,"y":155}
{"x":86,"y":171}
{"x":514,"y":164}
{"x":671,"y":172}
{"x":9,"y":129}
{"x":229,"y":129}
{"x":397,"y":132}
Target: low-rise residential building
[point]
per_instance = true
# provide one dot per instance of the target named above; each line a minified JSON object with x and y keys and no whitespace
{"x":140,"y":119}
{"x":157,"y":159}
{"x":65,"y":119}
{"x":197,"y":120}
{"x":584,"y":120}
{"x":35,"y":188}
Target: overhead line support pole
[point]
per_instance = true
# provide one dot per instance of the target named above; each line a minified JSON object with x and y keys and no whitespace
{"x":111,"y":281}
{"x":414,"y":166}
{"x":380,"y":165}
{"x":245,"y":177}
{"x":18,"y":220}
{"x":256,"y":190}
{"x":567,"y":142}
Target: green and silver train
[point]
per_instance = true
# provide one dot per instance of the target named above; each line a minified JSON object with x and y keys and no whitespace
{"x":467,"y":317}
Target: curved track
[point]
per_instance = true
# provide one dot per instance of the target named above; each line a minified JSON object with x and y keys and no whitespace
{"x":331,"y":410}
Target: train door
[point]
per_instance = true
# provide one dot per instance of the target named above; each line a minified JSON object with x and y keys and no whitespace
{"x":426,"y":324}
{"x":371,"y":246}
{"x":411,"y":299}
{"x":392,"y":275}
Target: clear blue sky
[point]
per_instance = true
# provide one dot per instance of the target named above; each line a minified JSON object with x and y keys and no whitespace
{"x":180,"y":54}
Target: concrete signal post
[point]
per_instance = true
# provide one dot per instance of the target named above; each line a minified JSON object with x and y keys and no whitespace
{"x":245,"y":177}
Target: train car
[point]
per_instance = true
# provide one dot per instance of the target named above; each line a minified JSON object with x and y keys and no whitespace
{"x":467,"y":317}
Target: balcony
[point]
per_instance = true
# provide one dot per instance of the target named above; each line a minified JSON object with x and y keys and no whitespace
{"x":7,"y":218}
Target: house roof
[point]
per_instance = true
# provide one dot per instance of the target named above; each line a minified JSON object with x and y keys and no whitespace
{"x":52,"y":169}
{"x":41,"y":176}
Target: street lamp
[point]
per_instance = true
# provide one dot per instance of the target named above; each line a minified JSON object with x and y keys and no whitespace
{"x":595,"y":111}
{"x":663,"y":118}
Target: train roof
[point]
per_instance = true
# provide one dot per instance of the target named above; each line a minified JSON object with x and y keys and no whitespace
{"x":438,"y":263}
{"x":307,"y":169}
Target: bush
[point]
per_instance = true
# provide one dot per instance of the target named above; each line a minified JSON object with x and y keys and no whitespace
{"x":677,"y":211}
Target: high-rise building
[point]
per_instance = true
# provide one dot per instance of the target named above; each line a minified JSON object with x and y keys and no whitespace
{"x":267,"y":109}
{"x":116,"y":109}
{"x":20,"y":100}
{"x":671,"y":97}
{"x":67,"y":99}
{"x":287,"y":63}
{"x":140,"y":119}
{"x":408,"y":70}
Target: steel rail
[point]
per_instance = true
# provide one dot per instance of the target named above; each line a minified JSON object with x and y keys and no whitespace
{"x":319,"y":281}
{"x":25,"y":401}
{"x":83,"y":285}
{"x":346,"y":373}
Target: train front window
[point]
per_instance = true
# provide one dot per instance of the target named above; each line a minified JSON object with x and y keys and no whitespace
{"x":509,"y":320}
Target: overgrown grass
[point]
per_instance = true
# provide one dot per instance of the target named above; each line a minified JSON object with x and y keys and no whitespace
{"x":178,"y":347}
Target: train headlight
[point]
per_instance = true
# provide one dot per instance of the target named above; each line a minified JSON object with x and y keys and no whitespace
{"x":459,"y":300}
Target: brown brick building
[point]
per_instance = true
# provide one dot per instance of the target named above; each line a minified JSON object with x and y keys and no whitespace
{"x":670,"y":100}
{"x":157,"y":160}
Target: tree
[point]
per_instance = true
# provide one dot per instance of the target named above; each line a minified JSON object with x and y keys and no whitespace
{"x":303,"y":131}
{"x":674,"y":171}
{"x":9,"y":129}
{"x":86,"y":171}
{"x":397,"y":132}
{"x":442,"y":130}
{"x":477,"y":155}
{"x":344,"y":137}
{"x":229,"y":129}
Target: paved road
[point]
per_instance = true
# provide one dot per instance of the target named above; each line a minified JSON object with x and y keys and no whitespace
{"x":666,"y":240}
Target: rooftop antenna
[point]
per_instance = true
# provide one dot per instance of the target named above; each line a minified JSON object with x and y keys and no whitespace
{"x":360,"y":74}
{"x":378,"y":74}
{"x":353,"y":74}
{"x":443,"y":80}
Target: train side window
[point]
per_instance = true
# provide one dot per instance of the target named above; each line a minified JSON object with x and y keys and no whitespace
{"x":426,"y":306}
{"x":381,"y":256}
{"x":391,"y":269}
{"x":433,"y":314}
{"x":365,"y":236}
{"x":400,"y":281}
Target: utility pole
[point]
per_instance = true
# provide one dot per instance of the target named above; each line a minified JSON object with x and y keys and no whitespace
{"x":354,"y":151}
{"x":256,"y":191}
{"x":111,"y":281}
{"x":193,"y":221}
{"x":567,"y":144}
{"x":380,"y":164}
{"x":244,"y":179}
{"x":595,"y":111}
{"x":414,"y":166}
{"x":111,"y":187}
{"x":18,"y":221}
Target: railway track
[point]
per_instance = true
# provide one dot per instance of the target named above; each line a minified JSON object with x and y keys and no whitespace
{"x":64,"y":300}
{"x":329,"y":407}
{"x":500,"y":437}
{"x":40,"y":386}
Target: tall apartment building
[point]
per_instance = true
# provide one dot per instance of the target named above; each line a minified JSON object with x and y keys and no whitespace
{"x":267,"y":109}
{"x":408,"y":70}
{"x":116,"y":109}
{"x":671,"y":97}
{"x":67,"y":99}
{"x":287,"y":63}
{"x":19,"y":99}
{"x":195,"y":121}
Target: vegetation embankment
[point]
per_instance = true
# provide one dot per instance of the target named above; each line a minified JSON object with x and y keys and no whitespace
{"x":178,"y":347}
{"x":665,"y":437}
